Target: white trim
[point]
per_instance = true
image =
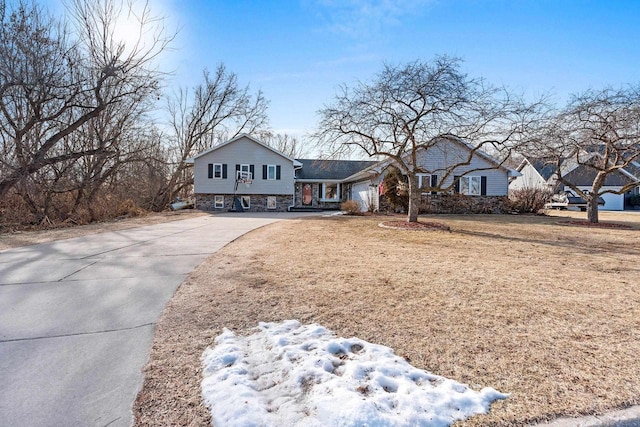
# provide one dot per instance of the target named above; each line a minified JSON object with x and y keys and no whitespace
{"x":215,"y":201}
{"x":244,"y":173}
{"x":246,"y":199}
{"x":468,"y":179}
{"x":323,"y":189}
{"x":272,"y":202}
{"x":269,"y":169}
{"x":214,"y":170}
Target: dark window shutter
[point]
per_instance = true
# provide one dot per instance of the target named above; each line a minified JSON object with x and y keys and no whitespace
{"x":483,"y":185}
{"x":434,"y":183}
{"x":224,"y":171}
{"x":456,"y":185}
{"x":278,"y":171}
{"x":237,"y":170}
{"x":210,"y":170}
{"x":252,"y":171}
{"x":264,"y":171}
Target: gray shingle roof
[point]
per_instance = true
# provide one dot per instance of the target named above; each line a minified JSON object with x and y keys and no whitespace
{"x":584,"y":175}
{"x":330,"y":169}
{"x":545,"y":168}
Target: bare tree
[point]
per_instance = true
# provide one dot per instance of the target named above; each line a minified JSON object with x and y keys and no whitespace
{"x":217,"y":109}
{"x":409,"y":108}
{"x":53,"y":81}
{"x":598,"y":132}
{"x":288,"y":145}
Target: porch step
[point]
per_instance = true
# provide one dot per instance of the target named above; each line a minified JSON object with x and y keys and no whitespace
{"x":305,"y":209}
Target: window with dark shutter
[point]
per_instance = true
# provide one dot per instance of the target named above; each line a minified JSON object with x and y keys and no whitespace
{"x":210,"y":174}
{"x":456,"y":185}
{"x":252,"y":171}
{"x":278,"y":171}
{"x":483,"y":185}
{"x":224,"y":171}
{"x":434,"y":183}
{"x":264,"y":171}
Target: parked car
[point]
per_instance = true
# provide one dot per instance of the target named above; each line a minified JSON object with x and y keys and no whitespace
{"x":568,"y":199}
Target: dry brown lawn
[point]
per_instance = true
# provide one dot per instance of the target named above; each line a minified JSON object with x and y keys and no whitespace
{"x":547,"y":312}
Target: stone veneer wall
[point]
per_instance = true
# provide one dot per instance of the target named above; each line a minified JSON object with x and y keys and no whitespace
{"x":457,"y":204}
{"x":258,"y":202}
{"x":461,"y":204}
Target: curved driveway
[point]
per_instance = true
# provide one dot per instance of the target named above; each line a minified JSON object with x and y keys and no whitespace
{"x":77,"y":316}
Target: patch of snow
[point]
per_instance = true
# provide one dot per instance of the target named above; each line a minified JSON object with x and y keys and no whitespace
{"x":288,"y":374}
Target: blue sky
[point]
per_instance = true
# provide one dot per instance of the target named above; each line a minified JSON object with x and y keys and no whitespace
{"x":298,"y":51}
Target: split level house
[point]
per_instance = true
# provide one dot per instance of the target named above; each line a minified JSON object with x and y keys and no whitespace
{"x":244,"y":174}
{"x":541,"y":173}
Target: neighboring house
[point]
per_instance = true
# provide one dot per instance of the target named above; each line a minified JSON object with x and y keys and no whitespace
{"x":534,"y":173}
{"x":540,"y":173}
{"x":281,"y":183}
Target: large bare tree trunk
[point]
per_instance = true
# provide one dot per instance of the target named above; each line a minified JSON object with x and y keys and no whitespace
{"x":592,"y":209}
{"x":414,"y":198}
{"x":592,"y":202}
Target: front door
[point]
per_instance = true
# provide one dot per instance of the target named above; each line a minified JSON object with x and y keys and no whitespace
{"x":307,"y":194}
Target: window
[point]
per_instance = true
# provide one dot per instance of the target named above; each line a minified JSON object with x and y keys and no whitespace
{"x":426,"y":181}
{"x":471,"y":185}
{"x":218,"y":202}
{"x":271,"y":202}
{"x":244,"y":172}
{"x":217,"y":170}
{"x":330,"y":191}
{"x":271,"y":172}
{"x":246,"y":202}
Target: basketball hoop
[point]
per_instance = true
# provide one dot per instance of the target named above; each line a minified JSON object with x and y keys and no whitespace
{"x":245,"y":178}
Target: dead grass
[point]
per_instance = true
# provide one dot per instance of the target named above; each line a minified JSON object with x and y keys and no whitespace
{"x":548,"y":313}
{"x":24,"y":238}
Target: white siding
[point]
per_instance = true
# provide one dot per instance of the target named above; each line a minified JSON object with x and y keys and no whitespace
{"x":438,"y":158}
{"x":530,"y":179}
{"x":612,"y":202}
{"x":243,"y":151}
{"x":366,"y":195}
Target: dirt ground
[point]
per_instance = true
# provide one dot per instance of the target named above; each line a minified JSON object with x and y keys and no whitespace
{"x":530,"y":305}
{"x":24,"y":238}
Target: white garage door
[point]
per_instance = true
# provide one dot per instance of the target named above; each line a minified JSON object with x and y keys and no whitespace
{"x":362,"y":193}
{"x":612,"y":202}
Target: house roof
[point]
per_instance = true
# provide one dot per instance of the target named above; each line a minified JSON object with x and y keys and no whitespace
{"x":634,"y":168}
{"x":314,"y":169}
{"x":378,"y":167}
{"x":584,"y":176}
{"x":543,"y":166}
{"x":240,"y":136}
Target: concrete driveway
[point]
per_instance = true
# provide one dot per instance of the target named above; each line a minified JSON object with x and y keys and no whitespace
{"x":77,"y":316}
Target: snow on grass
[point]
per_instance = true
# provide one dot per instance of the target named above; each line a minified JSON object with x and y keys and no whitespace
{"x":288,"y":374}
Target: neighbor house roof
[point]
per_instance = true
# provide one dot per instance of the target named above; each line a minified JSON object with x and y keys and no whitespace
{"x":242,"y":135}
{"x":584,"y":176}
{"x":543,"y":166}
{"x":330,"y":170}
